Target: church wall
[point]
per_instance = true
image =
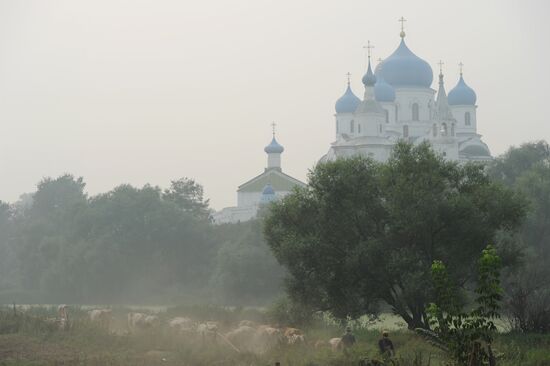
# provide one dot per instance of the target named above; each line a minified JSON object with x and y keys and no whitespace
{"x":405,"y":97}
{"x":343,"y":124}
{"x":234,"y":214}
{"x":390,"y":107}
{"x":248,"y":198}
{"x":447,"y":147}
{"x":459,"y":113}
{"x":370,"y":124}
{"x":253,"y":198}
{"x":377,"y":152}
{"x":418,"y":128}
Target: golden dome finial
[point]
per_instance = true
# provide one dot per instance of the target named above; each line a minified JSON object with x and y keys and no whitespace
{"x":402,"y":20}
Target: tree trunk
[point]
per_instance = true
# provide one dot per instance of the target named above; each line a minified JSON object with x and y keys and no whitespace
{"x":415,"y":318}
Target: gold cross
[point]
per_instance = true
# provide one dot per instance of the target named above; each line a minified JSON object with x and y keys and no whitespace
{"x":402,"y":20}
{"x":273,"y":127}
{"x":460,"y":65}
{"x":368,"y":47}
{"x":348,"y":75}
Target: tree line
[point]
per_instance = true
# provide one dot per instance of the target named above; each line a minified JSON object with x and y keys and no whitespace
{"x":359,"y":239}
{"x":129,"y":245}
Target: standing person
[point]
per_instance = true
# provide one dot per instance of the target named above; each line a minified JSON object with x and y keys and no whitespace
{"x":348,"y":339}
{"x":386,"y":345}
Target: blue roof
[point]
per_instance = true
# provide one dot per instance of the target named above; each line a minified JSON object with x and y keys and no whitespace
{"x":268,"y":189}
{"x":348,"y":102}
{"x":268,"y":194}
{"x":383,"y":92}
{"x":369,"y":79}
{"x":404,"y":68}
{"x":462,"y":94}
{"x":274,"y":147}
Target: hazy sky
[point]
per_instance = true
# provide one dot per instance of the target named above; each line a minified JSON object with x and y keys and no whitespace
{"x":149,"y":91}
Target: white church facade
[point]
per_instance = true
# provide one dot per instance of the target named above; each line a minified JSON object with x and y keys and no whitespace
{"x":271,"y":185}
{"x":399,"y":104}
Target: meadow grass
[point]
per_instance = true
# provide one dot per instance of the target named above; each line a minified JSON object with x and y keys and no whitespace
{"x":28,"y":338}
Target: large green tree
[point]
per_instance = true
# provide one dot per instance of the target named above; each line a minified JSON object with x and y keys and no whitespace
{"x":363,"y":232}
{"x":45,"y":228}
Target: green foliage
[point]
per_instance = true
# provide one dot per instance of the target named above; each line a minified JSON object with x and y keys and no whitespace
{"x":527,"y":170}
{"x":188,"y":196}
{"x":246,"y":273}
{"x":461,"y":333}
{"x":364,"y":232}
{"x":129,"y":245}
{"x":286,"y":312}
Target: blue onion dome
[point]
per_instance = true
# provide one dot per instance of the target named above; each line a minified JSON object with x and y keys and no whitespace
{"x":369,"y":79}
{"x":462,"y":94}
{"x":348,"y":102}
{"x":404,"y":68}
{"x":383,"y":92}
{"x":274,"y":147}
{"x":268,"y":194}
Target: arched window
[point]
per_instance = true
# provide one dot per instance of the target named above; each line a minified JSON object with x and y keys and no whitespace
{"x":467,"y":119}
{"x":415,"y":112}
{"x":380,"y":128}
{"x":443,"y":129}
{"x":452,"y":129}
{"x":359,"y":128}
{"x":434,"y":130}
{"x":405,"y":131}
{"x":396,"y":114}
{"x":387,"y":115}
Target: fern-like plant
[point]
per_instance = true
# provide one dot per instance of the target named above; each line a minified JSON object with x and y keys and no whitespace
{"x":466,"y":336}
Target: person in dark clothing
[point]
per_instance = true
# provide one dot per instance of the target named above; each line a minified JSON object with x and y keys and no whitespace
{"x":348,"y":339}
{"x":386,"y":345}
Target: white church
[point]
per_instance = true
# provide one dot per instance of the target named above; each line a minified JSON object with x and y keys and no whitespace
{"x":271,"y":185}
{"x":398,"y":104}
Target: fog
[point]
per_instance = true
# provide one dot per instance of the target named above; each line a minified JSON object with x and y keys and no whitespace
{"x":149,"y":91}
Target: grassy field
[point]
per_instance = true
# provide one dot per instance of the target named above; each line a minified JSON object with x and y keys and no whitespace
{"x":28,"y":339}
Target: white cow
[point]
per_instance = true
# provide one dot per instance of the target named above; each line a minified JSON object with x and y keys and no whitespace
{"x":270,"y":337}
{"x":296,"y":339}
{"x":208,"y":331}
{"x":335,"y":344}
{"x":140,"y":321}
{"x":248,"y":323}
{"x":101,"y":317}
{"x":181,"y":325}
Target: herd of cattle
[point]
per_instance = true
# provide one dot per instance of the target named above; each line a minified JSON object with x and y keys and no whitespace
{"x":245,"y":336}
